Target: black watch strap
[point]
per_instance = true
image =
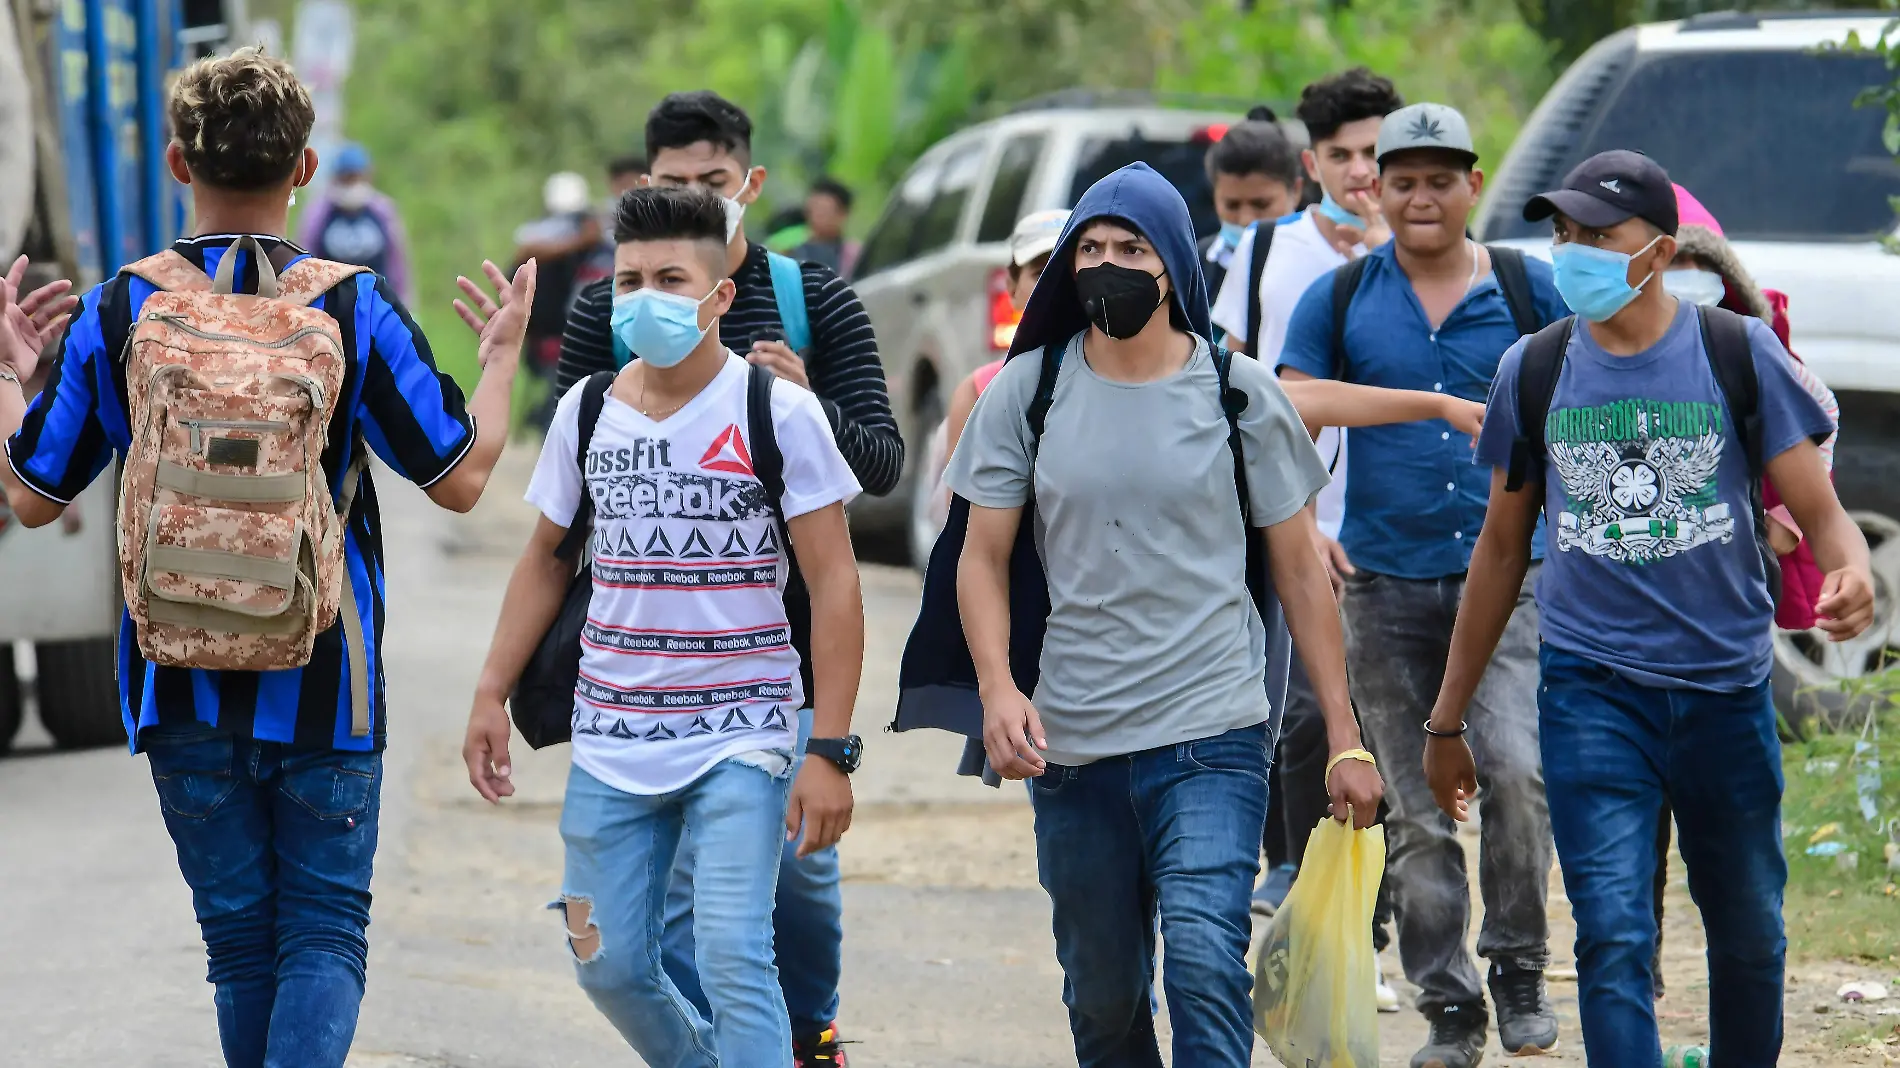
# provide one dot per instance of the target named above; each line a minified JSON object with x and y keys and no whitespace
{"x":847,"y":752}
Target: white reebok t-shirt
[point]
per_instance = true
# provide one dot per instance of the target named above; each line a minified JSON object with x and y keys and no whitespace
{"x":1299,"y":257}
{"x":686,"y":658}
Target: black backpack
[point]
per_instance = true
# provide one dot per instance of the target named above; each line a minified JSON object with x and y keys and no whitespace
{"x":543,"y":702}
{"x":937,"y":680}
{"x":1257,"y":263}
{"x":1732,"y":361}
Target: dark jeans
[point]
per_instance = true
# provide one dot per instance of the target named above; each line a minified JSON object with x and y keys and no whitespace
{"x":1172,"y":832}
{"x":1298,"y":800}
{"x":276,"y":845}
{"x":1614,"y":752}
{"x":1398,"y":635}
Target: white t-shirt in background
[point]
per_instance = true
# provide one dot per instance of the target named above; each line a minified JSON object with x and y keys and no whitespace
{"x":686,"y":657}
{"x":1299,"y":257}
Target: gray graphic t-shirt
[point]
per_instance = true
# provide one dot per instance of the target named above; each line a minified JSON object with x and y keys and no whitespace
{"x":1653,"y":568}
{"x":1152,"y":637}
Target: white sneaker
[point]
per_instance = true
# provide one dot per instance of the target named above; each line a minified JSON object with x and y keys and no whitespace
{"x":1387,"y":997}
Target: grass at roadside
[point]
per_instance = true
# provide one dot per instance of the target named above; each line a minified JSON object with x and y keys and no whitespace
{"x":1843,"y":897}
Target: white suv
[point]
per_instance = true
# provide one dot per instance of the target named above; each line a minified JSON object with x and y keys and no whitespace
{"x":1752,"y":115}
{"x":932,"y":276}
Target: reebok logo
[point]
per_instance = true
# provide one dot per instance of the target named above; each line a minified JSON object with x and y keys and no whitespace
{"x":1612,"y":186}
{"x":727,"y":453}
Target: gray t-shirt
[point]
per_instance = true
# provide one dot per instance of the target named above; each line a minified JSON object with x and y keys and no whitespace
{"x":1152,"y":636}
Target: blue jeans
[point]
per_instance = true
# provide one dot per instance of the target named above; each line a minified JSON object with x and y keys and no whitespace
{"x":620,"y":849}
{"x":1614,"y":750}
{"x":807,"y":926}
{"x":1172,"y":832}
{"x":276,"y":845}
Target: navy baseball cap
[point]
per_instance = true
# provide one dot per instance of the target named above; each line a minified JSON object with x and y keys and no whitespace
{"x":1610,"y":188}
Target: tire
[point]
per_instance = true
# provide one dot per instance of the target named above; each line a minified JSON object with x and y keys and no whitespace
{"x":11,"y":706}
{"x":921,"y":528}
{"x":79,"y":694}
{"x":1819,"y":685}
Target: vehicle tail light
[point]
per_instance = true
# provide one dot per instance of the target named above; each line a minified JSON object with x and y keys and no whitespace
{"x":1207,"y":135}
{"x":1003,"y":313}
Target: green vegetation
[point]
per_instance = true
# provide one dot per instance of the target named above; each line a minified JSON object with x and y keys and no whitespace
{"x":1842,"y":901}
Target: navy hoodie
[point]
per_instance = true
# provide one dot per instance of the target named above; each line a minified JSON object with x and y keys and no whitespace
{"x":937,"y":680}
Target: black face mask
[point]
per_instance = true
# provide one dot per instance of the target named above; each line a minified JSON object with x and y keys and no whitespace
{"x":1118,"y":300}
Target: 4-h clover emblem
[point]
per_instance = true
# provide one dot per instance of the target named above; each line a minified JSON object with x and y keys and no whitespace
{"x":1634,"y":486}
{"x":1425,"y":128}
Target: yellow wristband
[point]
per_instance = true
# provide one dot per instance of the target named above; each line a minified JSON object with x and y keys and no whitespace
{"x":1350,"y":754}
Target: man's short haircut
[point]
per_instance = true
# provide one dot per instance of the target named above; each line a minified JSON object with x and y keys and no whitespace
{"x":670,"y":213}
{"x":1348,"y":96}
{"x":621,"y":166}
{"x":834,"y":189}
{"x":685,"y":119}
{"x":1256,"y":146}
{"x":242,"y":120}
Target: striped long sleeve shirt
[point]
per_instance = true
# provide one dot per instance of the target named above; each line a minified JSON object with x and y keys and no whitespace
{"x":842,"y":362}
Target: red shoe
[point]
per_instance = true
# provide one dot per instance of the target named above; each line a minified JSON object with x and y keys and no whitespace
{"x":819,"y":1050}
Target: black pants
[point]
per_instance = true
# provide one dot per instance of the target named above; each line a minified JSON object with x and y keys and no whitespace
{"x":1296,"y":794}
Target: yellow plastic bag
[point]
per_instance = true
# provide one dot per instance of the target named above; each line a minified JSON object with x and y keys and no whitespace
{"x":1314,"y":980}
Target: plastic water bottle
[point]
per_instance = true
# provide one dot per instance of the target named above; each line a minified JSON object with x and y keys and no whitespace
{"x":1686,"y":1057}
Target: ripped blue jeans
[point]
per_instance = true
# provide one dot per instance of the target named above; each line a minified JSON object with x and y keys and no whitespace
{"x":620,"y":850}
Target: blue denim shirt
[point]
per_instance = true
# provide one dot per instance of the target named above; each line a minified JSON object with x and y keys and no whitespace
{"x":1415,"y":500}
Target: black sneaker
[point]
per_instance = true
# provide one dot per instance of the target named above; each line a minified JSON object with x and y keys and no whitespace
{"x":1457,"y":1038}
{"x":1527,"y":1025}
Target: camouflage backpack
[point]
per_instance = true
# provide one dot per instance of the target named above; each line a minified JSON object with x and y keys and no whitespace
{"x":230,"y":547}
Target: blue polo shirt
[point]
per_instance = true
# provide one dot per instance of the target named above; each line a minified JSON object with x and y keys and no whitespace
{"x":1416,"y":501}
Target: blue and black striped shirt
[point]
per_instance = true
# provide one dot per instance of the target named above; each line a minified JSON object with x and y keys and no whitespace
{"x":410,"y":414}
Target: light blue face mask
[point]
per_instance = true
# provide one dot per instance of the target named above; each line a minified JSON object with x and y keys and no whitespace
{"x":1337,"y":212}
{"x":1696,"y":286}
{"x":1230,"y":234}
{"x":659,"y":327}
{"x":1595,"y":281}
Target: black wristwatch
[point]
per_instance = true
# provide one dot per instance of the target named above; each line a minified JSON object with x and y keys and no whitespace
{"x":846,"y":752}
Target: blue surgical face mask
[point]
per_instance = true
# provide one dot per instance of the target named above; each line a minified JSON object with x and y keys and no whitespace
{"x":659,"y":327}
{"x":1230,"y":234}
{"x":1595,"y":281}
{"x":1337,"y":212}
{"x":1704,"y":288}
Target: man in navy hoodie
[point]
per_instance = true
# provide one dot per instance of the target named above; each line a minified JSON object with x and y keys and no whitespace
{"x":1147,"y":743}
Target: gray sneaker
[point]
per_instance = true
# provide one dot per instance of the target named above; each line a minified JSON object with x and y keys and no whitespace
{"x":1527,"y":1025}
{"x":1457,"y":1038}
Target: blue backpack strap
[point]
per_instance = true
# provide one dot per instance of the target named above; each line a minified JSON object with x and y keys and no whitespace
{"x":788,"y":289}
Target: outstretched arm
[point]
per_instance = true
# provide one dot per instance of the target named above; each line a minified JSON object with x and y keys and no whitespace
{"x":28,"y":325}
{"x":1326,"y":402}
{"x":502,"y":325}
{"x":1498,"y":564}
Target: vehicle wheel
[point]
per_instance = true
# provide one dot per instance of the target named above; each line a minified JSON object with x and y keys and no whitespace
{"x":11,"y":706}
{"x":1821,"y":685}
{"x":923,"y":526}
{"x":79,"y":697}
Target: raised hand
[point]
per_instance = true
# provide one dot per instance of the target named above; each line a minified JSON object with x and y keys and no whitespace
{"x":502,"y":321}
{"x":29,"y":324}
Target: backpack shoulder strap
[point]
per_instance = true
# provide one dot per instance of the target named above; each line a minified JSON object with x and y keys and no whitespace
{"x":309,"y":278}
{"x":1345,"y":287}
{"x":170,"y":272}
{"x":1515,"y":283}
{"x":788,"y":289}
{"x":1256,"y":269}
{"x":1732,"y":358}
{"x":768,"y":463}
{"x":1537,"y":374}
{"x":593,"y":399}
{"x":1038,"y":415}
{"x":1233,"y":401}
